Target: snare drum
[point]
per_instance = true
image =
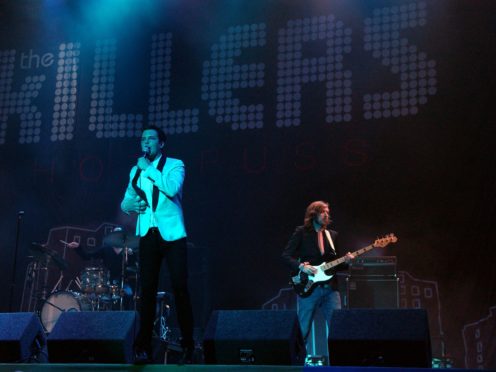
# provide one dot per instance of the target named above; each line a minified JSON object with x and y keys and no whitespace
{"x":113,"y":294}
{"x":57,"y":303}
{"x":94,"y":280}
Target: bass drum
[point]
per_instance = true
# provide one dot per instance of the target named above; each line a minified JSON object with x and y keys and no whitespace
{"x":60,"y":302}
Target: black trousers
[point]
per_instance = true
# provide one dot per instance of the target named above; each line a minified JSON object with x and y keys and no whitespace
{"x":153,"y":249}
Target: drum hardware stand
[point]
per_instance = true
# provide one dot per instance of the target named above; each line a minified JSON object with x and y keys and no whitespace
{"x":161,"y":329}
{"x":164,"y":329}
{"x":123,"y":273}
{"x":57,"y":285}
{"x":36,"y":280}
{"x":136,"y":286}
{"x":136,"y":295}
{"x":95,"y":302}
{"x":118,"y":238}
{"x":14,"y":268}
{"x":69,"y":285}
{"x":30,"y":284}
{"x":44,"y":292}
{"x":37,"y":273}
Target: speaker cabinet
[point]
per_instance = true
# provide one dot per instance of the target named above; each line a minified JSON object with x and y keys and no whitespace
{"x":373,"y":266}
{"x":96,"y":337}
{"x":373,"y":293}
{"x":254,"y":337}
{"x":22,"y":338}
{"x":380,"y":337}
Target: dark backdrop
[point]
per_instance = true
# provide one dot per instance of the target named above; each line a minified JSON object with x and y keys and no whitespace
{"x":382,"y":108}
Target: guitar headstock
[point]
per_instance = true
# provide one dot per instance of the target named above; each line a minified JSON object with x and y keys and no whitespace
{"x":382,"y":242}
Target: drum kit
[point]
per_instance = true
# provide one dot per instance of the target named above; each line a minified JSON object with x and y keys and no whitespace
{"x":95,"y":291}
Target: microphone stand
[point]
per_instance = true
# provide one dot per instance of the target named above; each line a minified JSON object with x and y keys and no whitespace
{"x":13,"y":285}
{"x":123,"y":273}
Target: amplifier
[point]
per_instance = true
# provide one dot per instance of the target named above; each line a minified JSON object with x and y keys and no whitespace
{"x":377,"y":293}
{"x":373,"y":266}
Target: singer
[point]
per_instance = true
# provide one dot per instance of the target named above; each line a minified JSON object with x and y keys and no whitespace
{"x":154,"y":193}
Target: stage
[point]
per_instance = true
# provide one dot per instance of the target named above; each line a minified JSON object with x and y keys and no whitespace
{"x":198,"y":368}
{"x":379,"y":111}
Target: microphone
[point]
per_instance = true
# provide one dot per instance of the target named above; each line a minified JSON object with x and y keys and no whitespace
{"x":146,"y":153}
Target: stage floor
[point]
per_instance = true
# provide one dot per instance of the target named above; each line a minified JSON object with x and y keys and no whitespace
{"x":48,"y":367}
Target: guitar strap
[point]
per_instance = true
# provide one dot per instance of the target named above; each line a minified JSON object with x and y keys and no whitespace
{"x":329,"y":239}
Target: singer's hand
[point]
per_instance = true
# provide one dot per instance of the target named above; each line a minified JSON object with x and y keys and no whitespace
{"x":143,"y":163}
{"x":136,"y":205}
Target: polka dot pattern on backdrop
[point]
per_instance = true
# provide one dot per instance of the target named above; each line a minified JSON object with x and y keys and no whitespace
{"x":417,"y":74}
{"x":64,"y":107}
{"x":19,"y":103}
{"x":172,"y":122}
{"x":222,"y":76}
{"x":295,"y":69}
{"x":103,"y":121}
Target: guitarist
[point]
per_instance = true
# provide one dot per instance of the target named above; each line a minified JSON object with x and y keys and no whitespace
{"x":313,"y":244}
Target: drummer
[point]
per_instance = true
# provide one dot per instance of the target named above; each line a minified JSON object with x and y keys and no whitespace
{"x":111,"y":256}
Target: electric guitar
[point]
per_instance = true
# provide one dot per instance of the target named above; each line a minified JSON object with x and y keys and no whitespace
{"x":304,"y":284}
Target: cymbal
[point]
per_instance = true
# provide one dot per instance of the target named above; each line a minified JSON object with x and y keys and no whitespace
{"x":59,"y":261}
{"x":121,"y":239}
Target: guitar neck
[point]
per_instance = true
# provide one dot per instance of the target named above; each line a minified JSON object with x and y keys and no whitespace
{"x":339,"y":261}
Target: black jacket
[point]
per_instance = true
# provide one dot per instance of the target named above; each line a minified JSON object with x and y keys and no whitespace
{"x":304,"y":247}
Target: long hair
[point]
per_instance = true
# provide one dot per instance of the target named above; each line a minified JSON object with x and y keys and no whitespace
{"x":313,"y":210}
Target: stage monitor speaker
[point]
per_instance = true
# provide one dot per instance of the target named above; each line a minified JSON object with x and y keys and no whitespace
{"x":254,"y":337}
{"x":93,"y":336}
{"x":22,"y":338}
{"x":380,"y":337}
{"x":372,"y":293}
